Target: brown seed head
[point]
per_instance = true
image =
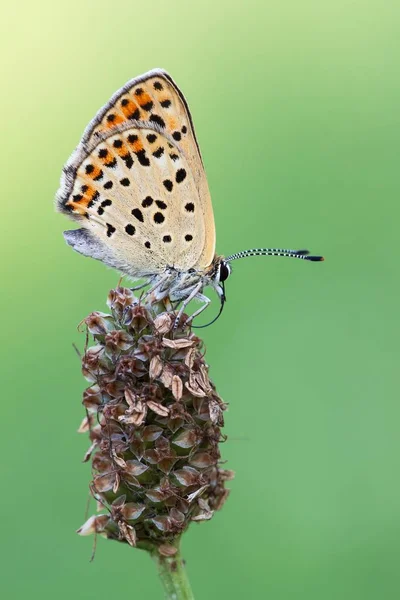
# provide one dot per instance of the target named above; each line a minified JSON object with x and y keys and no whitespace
{"x":154,"y":420}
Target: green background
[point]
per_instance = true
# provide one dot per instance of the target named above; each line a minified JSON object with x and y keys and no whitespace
{"x":296,"y":107}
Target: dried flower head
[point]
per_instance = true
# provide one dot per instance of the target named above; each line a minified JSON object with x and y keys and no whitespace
{"x":154,"y":421}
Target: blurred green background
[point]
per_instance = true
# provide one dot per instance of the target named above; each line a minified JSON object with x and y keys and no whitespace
{"x":296,"y":107}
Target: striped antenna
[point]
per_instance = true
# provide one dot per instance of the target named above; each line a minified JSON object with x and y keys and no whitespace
{"x":303,"y":254}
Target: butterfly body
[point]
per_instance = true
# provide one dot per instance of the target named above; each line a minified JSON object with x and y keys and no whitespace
{"x":136,"y":185}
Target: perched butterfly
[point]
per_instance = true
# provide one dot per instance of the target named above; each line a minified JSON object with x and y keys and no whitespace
{"x":136,"y":184}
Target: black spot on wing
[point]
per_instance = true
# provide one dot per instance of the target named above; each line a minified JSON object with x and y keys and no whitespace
{"x":159,"y":152}
{"x":151,"y":138}
{"x":142,"y":158}
{"x":130,"y":229}
{"x":95,"y":197}
{"x":135,"y":115}
{"x":168,"y":184}
{"x":110,"y":230}
{"x":157,"y":119}
{"x":148,"y":106}
{"x":159,"y":218}
{"x":189,"y":207}
{"x":148,"y":201}
{"x":161,"y":204}
{"x":128,"y":160}
{"x":138,"y":214}
{"x":111,"y":164}
{"x":180,"y":175}
{"x":101,"y":208}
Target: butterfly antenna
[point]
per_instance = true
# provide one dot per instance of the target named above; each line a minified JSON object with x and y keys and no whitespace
{"x":303,"y":254}
{"x":221,"y":308}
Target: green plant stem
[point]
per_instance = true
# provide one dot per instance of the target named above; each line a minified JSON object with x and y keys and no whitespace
{"x":173,"y":576}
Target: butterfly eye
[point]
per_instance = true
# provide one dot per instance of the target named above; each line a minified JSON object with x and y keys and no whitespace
{"x":224,"y":271}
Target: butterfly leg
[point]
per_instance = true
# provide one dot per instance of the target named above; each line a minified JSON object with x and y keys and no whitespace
{"x":206,"y":302}
{"x":186,"y":301}
{"x":141,"y":286}
{"x":158,"y":284}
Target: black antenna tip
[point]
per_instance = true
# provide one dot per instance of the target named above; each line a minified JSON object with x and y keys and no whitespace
{"x":302,"y":252}
{"x":315,"y":258}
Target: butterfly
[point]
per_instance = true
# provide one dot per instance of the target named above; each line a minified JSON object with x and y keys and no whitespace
{"x":136,"y":184}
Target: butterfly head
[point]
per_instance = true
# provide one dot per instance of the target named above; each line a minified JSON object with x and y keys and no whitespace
{"x":218,"y":274}
{"x":224,"y":270}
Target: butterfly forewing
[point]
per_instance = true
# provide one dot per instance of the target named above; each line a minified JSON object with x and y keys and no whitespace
{"x":137,"y":182}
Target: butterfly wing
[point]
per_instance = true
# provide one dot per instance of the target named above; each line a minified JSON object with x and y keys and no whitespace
{"x":137,"y":184}
{"x":136,"y":195}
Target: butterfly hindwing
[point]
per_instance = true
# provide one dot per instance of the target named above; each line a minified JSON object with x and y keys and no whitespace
{"x":135,"y":193}
{"x":137,"y":183}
